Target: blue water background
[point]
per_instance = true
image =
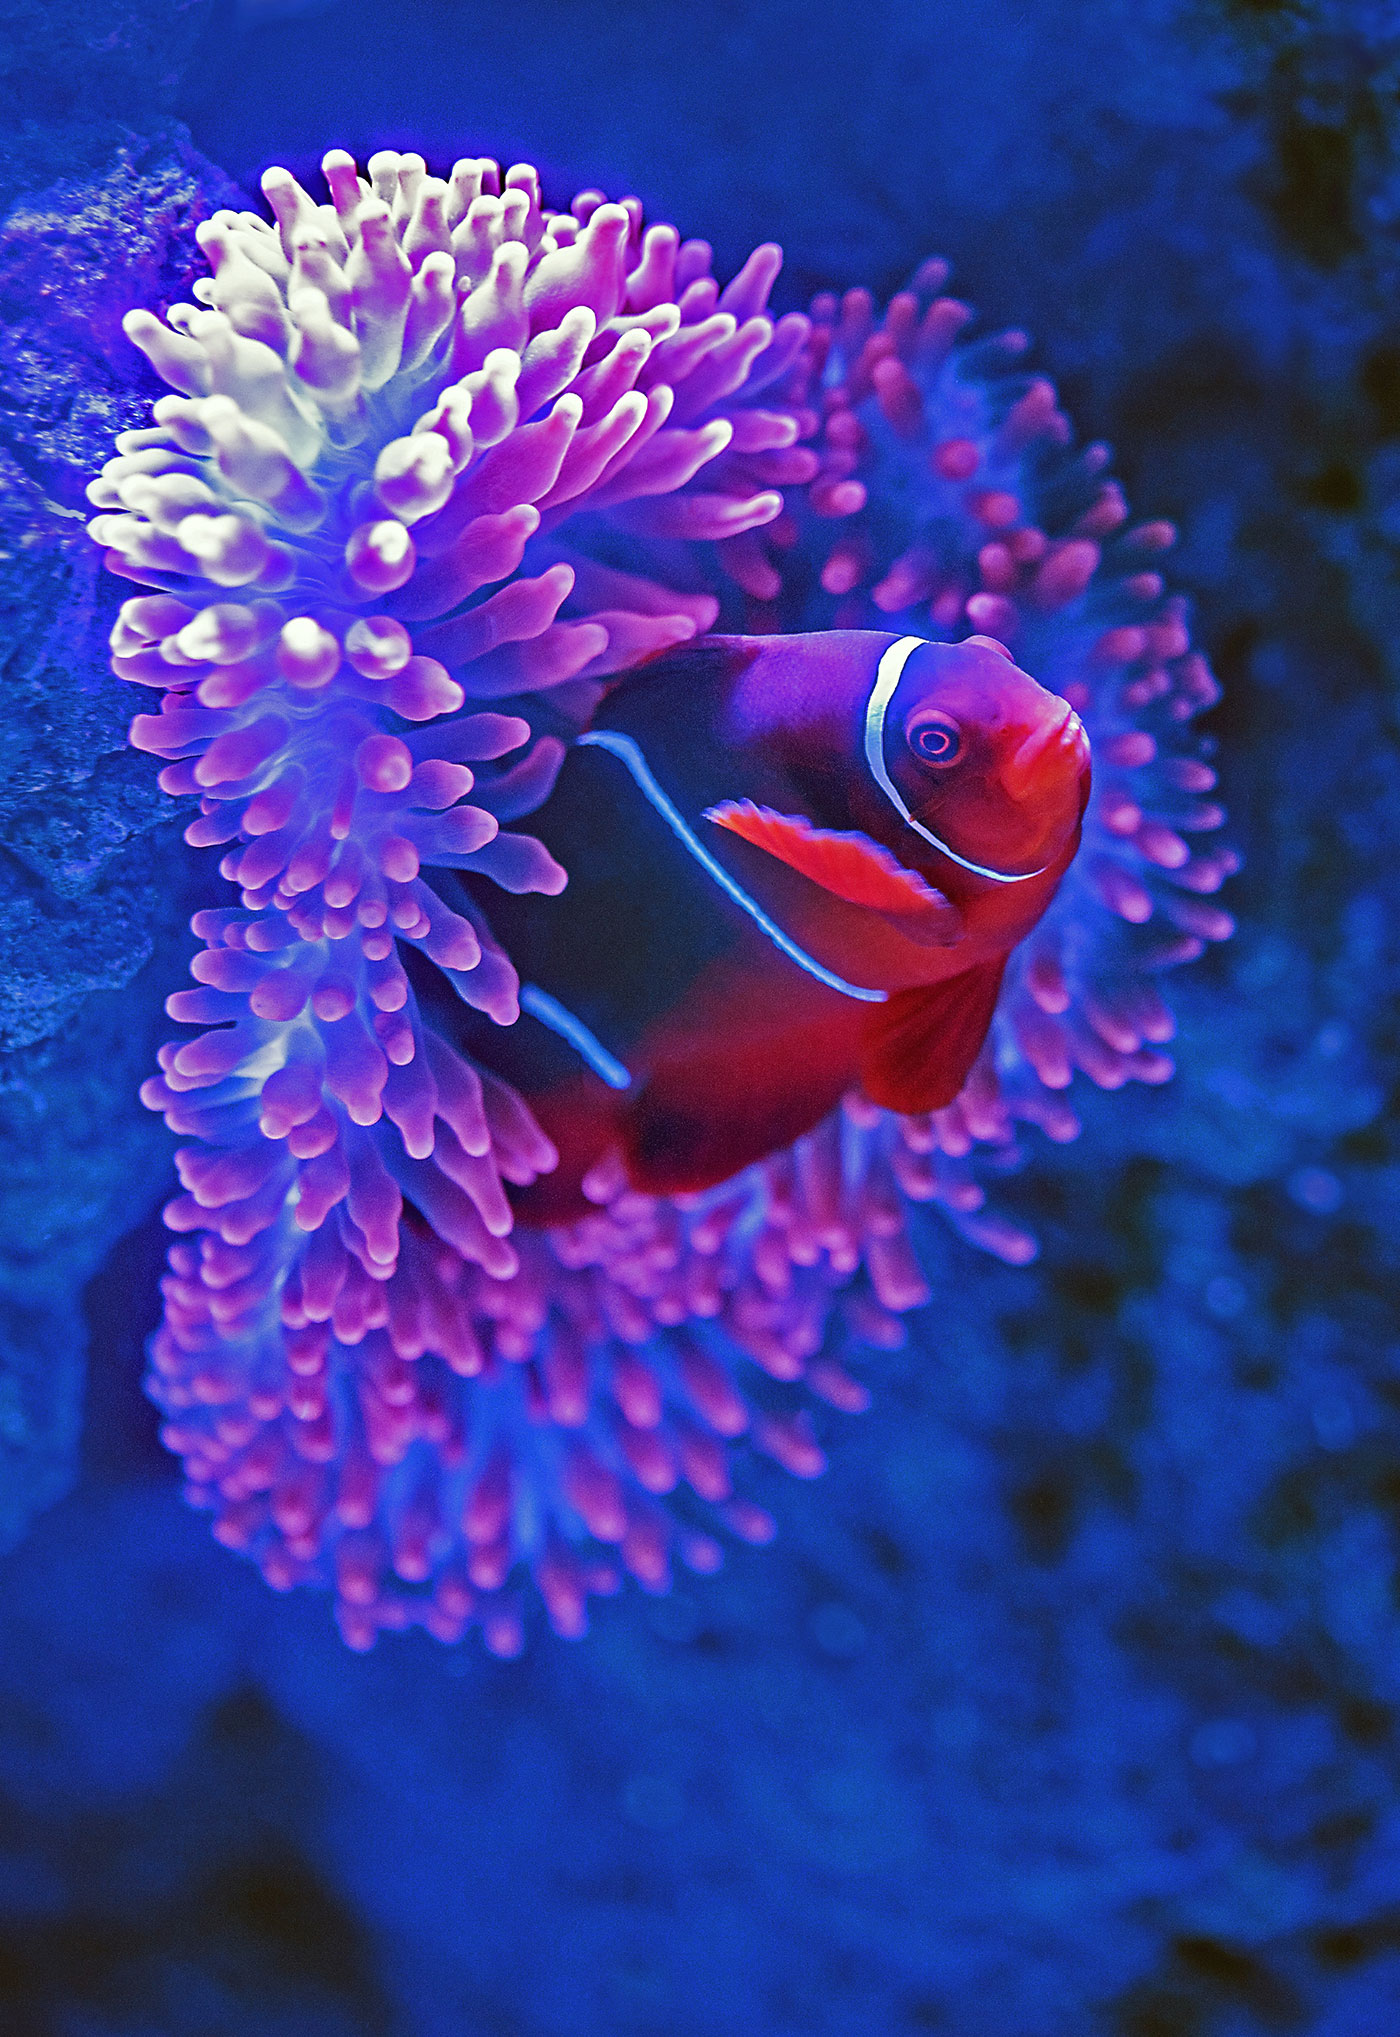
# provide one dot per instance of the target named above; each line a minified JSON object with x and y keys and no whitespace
{"x":1065,"y":1703}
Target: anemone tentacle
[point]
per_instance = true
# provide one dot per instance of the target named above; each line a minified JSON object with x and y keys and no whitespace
{"x":437,"y":464}
{"x":355,"y":509}
{"x":413,"y":1440}
{"x":949,"y":500}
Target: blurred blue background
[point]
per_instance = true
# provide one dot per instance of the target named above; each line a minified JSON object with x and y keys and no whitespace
{"x":1065,"y":1703}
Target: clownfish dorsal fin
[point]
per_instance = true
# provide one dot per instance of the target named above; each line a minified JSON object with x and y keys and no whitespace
{"x":849,"y":865}
{"x":920,"y":1044}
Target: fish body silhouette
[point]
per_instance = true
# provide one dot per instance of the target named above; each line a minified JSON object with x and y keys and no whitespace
{"x":796,"y":864}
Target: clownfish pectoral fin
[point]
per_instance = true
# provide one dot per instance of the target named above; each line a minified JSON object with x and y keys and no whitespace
{"x":920,"y":1044}
{"x":849,"y":865}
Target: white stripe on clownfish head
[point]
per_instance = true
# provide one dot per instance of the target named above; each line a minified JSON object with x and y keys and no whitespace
{"x":887,"y":676}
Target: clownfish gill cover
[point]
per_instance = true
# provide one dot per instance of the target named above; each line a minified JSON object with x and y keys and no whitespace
{"x":687,"y":782}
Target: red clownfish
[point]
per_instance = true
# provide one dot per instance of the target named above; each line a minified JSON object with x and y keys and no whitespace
{"x":796,"y":865}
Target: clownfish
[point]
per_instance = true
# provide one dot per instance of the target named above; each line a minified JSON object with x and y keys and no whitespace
{"x":797,"y":865}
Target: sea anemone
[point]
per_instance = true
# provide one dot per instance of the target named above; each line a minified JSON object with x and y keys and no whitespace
{"x":438,"y":464}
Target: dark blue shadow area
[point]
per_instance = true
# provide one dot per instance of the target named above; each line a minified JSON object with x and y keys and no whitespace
{"x":1065,"y":1703}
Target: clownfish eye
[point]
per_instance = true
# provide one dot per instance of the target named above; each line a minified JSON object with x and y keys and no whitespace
{"x":934,"y":739}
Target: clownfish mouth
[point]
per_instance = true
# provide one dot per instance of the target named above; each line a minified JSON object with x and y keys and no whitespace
{"x":848,"y":865}
{"x":1056,"y":744}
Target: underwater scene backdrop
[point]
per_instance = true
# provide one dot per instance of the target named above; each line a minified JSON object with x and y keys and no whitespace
{"x":1062,"y":1701}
